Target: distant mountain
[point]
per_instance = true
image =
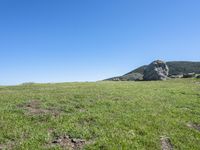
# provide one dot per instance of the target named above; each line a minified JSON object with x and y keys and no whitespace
{"x":175,"y":68}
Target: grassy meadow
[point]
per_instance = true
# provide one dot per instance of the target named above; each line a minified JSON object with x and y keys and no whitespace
{"x":105,"y":115}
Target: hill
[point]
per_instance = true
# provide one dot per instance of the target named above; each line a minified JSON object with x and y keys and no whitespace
{"x":183,"y":67}
{"x":175,"y":68}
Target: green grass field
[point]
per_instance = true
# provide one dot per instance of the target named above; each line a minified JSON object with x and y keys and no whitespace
{"x":106,"y":115}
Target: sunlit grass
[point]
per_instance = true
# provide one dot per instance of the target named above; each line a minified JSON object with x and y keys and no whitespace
{"x":112,"y":115}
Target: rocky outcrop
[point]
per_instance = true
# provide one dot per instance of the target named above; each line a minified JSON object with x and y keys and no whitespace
{"x":157,"y":70}
{"x":198,"y":76}
{"x":189,"y":75}
{"x":176,"y":76}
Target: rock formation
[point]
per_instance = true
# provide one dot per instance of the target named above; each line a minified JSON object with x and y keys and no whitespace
{"x":157,"y":70}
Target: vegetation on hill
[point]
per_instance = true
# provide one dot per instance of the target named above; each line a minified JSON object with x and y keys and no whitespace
{"x":101,"y":115}
{"x":183,"y":67}
{"x":138,"y":70}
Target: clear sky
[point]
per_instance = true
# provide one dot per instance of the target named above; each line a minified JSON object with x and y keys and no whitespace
{"x":89,"y":40}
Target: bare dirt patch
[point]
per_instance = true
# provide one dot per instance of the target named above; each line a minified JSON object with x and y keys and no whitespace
{"x":8,"y":146}
{"x":194,"y":126}
{"x":67,"y":142}
{"x":33,"y":107}
{"x":166,"y":143}
{"x":1,"y":147}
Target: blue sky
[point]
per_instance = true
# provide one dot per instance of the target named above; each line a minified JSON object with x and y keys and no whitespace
{"x":89,"y":40}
